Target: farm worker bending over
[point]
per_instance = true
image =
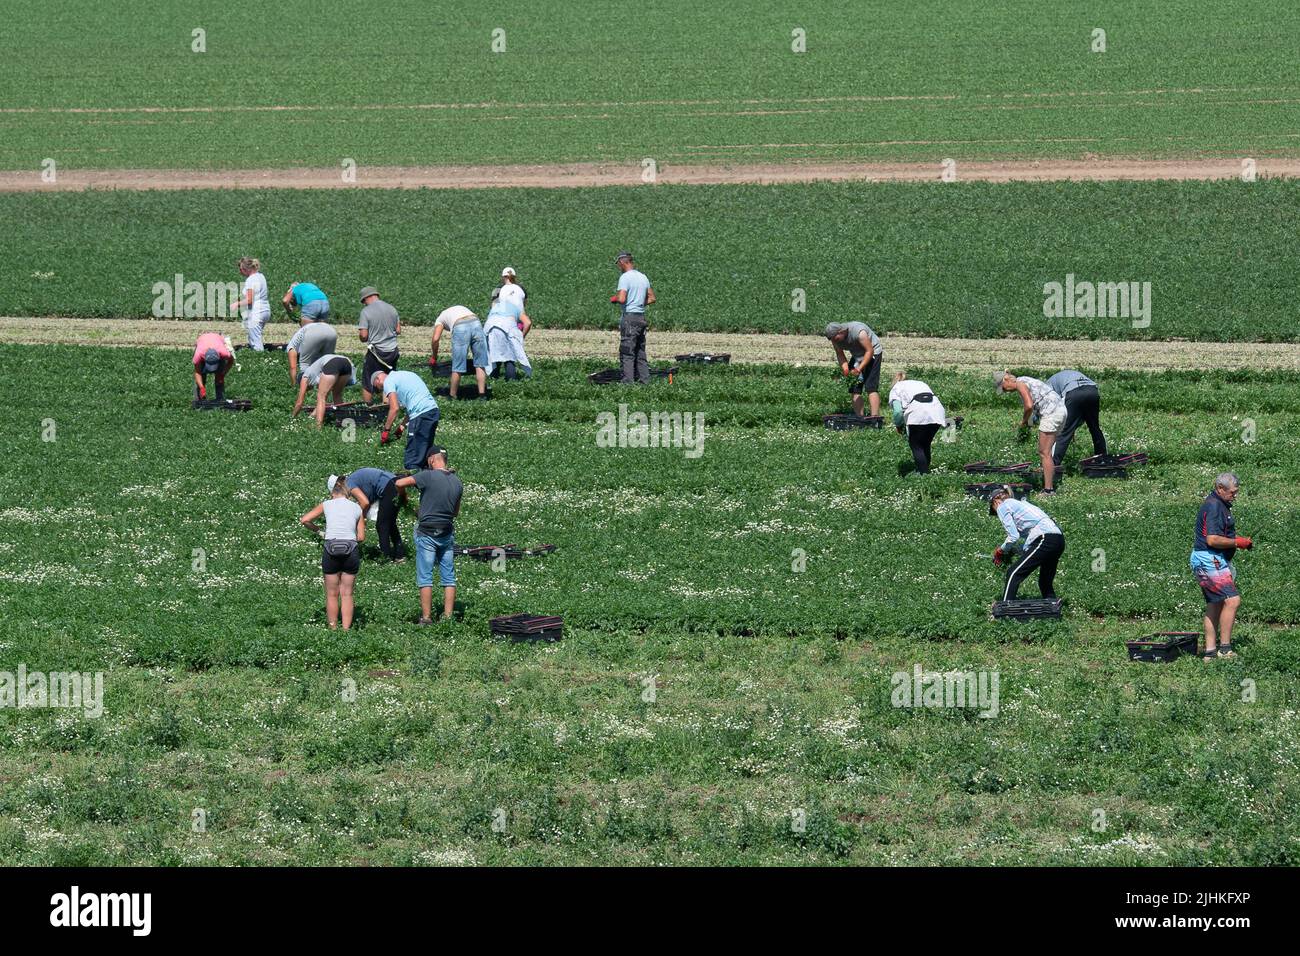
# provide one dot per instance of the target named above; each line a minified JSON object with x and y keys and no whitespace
{"x":435,"y":538}
{"x":374,"y":488}
{"x":633,"y":295}
{"x":510,"y":290}
{"x":507,"y":324}
{"x":1043,"y":543}
{"x":310,"y":302}
{"x":1216,"y":542}
{"x":308,"y":344}
{"x":466,"y":336}
{"x":919,"y":414}
{"x":254,"y":301}
{"x":345,"y":529}
{"x":407,"y":390}
{"x":865,"y":353}
{"x":1082,"y":403}
{"x":329,"y":373}
{"x":378,"y":326}
{"x":212,"y":356}
{"x":1038,"y":399}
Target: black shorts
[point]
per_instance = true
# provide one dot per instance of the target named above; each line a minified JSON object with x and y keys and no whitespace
{"x":377,"y":362}
{"x":349,"y":563}
{"x":339,"y":366}
{"x":869,"y":380}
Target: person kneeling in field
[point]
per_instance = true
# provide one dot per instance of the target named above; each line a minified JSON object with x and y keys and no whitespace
{"x":1215,"y":543}
{"x":435,"y":536}
{"x":867,"y":353}
{"x":507,"y":324}
{"x":466,"y":337}
{"x":212,"y":356}
{"x":407,"y":390}
{"x":345,"y":529}
{"x":1043,"y":543}
{"x":374,"y":487}
{"x":1038,"y":399}
{"x":330,"y":374}
{"x":919,"y":414}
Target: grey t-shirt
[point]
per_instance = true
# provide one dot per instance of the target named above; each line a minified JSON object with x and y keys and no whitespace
{"x":312,"y":372}
{"x":380,"y":319}
{"x":1067,"y":380}
{"x":855,"y":346}
{"x":313,"y":341}
{"x":440,"y":493}
{"x":341,"y":516}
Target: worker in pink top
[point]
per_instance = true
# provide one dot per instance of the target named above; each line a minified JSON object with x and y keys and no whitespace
{"x":211,"y":356}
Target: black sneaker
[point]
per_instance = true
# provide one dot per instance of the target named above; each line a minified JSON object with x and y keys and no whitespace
{"x":1225,"y":650}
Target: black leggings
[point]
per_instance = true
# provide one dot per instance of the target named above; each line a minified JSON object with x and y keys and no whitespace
{"x":390,"y":535}
{"x":1081,"y":408}
{"x":919,"y":439}
{"x":1043,"y":553}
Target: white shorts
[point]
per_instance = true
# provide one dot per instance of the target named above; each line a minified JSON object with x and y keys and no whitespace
{"x":1053,"y":422}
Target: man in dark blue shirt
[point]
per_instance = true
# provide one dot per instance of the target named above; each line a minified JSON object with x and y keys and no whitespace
{"x":1214,"y":544}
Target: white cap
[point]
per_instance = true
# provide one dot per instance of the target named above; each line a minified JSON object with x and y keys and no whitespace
{"x":330,"y":482}
{"x":508,"y":271}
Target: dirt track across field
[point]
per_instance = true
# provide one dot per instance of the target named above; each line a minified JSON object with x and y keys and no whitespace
{"x":752,"y":348}
{"x":625,"y":174}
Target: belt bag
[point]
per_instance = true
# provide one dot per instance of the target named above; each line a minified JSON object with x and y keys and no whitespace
{"x":339,"y":547}
{"x":436,"y":531}
{"x":925,"y":398}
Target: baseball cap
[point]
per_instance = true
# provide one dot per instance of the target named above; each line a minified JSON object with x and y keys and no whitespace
{"x":211,"y":360}
{"x":368,"y":291}
{"x":621,"y":256}
{"x":508,"y":271}
{"x":1004,"y":490}
{"x":998,"y":379}
{"x":436,"y":450}
{"x":330,"y":482}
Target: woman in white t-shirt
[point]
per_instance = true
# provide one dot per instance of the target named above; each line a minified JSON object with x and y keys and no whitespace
{"x":345,"y":529}
{"x":919,"y":414}
{"x":254,"y":301}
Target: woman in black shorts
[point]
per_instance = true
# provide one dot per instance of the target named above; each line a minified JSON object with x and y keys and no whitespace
{"x":331,"y":374}
{"x":345,"y":529}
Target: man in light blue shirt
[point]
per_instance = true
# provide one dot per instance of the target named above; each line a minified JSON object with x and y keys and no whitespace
{"x":1043,"y":543}
{"x":633,"y":295}
{"x":1082,"y":406}
{"x":407,"y":390}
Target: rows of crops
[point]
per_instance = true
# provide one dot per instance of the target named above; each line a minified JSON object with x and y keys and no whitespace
{"x":965,"y":259}
{"x":765,"y":590}
{"x":301,"y":82}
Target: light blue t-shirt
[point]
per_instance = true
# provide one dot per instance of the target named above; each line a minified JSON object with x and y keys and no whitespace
{"x":412,"y":394}
{"x":636,"y":285}
{"x":305,"y":292}
{"x":505,"y":310}
{"x":1020,"y":519}
{"x":1067,"y":380}
{"x":371,"y":481}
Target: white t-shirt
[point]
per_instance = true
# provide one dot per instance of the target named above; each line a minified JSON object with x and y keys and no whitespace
{"x":261,"y":307}
{"x":914,"y":412}
{"x":341,"y":516}
{"x":513,"y":292}
{"x":449,"y":317}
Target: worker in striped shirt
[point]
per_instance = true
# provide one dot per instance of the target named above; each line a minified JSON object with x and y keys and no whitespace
{"x":1038,"y":399}
{"x":1042,"y":547}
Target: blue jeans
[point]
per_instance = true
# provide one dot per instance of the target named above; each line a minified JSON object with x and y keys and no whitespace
{"x":467,"y":335}
{"x":318,"y":310}
{"x":431,"y":552}
{"x":419,"y":436}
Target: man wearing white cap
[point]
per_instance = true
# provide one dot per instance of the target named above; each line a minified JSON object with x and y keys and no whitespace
{"x":507,"y":324}
{"x":466,"y":337}
{"x":510,"y":289}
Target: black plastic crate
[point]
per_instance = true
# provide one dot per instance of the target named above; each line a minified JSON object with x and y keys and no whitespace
{"x":1163,"y":646}
{"x":487,"y":552}
{"x":704,"y":358}
{"x":441,"y":370}
{"x":1114,"y":461}
{"x":467,"y":390}
{"x":1025,"y":609}
{"x":1103,"y":471}
{"x":987,"y":489}
{"x":359,"y":413}
{"x":843,"y":423}
{"x":528,"y":627}
{"x":221,"y":405}
{"x":989,"y":468}
{"x":609,"y":376}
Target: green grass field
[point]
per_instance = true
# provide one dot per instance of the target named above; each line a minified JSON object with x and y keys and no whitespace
{"x":963,"y":259}
{"x":224,"y":692}
{"x":301,"y":83}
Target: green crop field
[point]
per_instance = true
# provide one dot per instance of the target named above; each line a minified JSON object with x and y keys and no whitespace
{"x":948,"y":259}
{"x":733,"y":621}
{"x":312,"y":82}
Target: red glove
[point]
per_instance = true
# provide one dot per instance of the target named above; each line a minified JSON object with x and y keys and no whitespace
{"x":999,"y":556}
{"x":433,"y":360}
{"x":1245,"y":544}
{"x":614,"y":298}
{"x":383,"y":437}
{"x":203,"y":391}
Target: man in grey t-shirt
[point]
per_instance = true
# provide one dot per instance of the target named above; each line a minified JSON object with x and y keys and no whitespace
{"x":1082,"y":406}
{"x":308,"y":344}
{"x":435,"y":537}
{"x":378,"y":326}
{"x":862,"y":365}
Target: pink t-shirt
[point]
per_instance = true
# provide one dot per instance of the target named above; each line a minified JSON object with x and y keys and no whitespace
{"x":210,"y":340}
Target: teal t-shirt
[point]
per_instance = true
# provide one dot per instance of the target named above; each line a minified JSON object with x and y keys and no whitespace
{"x":305,"y":292}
